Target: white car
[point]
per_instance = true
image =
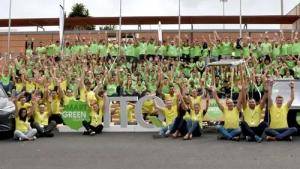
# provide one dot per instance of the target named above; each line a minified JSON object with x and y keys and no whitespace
{"x":7,"y":115}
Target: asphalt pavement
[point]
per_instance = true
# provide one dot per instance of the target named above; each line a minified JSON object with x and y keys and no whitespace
{"x":141,"y":151}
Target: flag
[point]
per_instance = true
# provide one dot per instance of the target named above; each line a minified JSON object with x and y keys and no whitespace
{"x":159,"y":32}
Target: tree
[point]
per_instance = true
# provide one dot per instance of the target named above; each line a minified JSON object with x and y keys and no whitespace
{"x":79,"y":10}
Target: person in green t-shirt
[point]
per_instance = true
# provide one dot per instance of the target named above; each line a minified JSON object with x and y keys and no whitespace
{"x":41,"y":50}
{"x":185,"y":51}
{"x":150,"y":49}
{"x":130,"y":51}
{"x":172,"y":51}
{"x":161,"y":50}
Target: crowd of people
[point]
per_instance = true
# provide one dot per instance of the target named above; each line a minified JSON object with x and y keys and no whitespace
{"x":44,"y":79}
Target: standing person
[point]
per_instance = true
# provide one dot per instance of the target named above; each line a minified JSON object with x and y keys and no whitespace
{"x":279,"y":129}
{"x":231,"y":129}
{"x":23,"y":131}
{"x":251,"y":126}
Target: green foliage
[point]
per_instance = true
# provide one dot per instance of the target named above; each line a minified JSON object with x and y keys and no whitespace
{"x":79,"y":10}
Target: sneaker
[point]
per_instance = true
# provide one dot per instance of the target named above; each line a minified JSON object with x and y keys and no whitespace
{"x":258,"y":139}
{"x":269,"y":138}
{"x":248,"y":138}
{"x":34,"y":138}
{"x":86,"y":133}
{"x":92,"y":133}
{"x":290,"y":138}
{"x":235,"y":139}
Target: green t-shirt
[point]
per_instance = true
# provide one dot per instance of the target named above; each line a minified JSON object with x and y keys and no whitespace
{"x":226,"y":49}
{"x":111,"y":89}
{"x":150,"y":50}
{"x":162,"y":50}
{"x":215,"y":51}
{"x":284,"y":49}
{"x":276,"y":52}
{"x":185,"y":50}
{"x":130,"y":50}
{"x":172,"y":51}
{"x":296,"y":70}
{"x":196,"y":51}
{"x":40,"y":50}
{"x":142,"y":48}
{"x":93,"y":49}
{"x":266,"y":48}
{"x":102,"y":50}
{"x":5,"y":80}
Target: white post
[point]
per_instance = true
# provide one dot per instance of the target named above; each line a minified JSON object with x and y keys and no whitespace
{"x":223,"y":5}
{"x":9,"y":30}
{"x":179,"y":23}
{"x":240,"y":18}
{"x":120,"y":23}
{"x":281,"y":6}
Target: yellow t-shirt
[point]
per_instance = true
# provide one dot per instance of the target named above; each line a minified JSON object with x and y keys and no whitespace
{"x":252,"y":117}
{"x":82,"y":93}
{"x":101,"y":104}
{"x":170,"y":114}
{"x":279,"y":116}
{"x":63,"y":85}
{"x":41,"y":119}
{"x":194,"y":117}
{"x":20,"y":106}
{"x":19,"y":87}
{"x":22,"y":126}
{"x":96,"y":119}
{"x":197,"y":100}
{"x":231,"y":118}
{"x":55,"y":106}
{"x":29,"y":86}
{"x":91,"y":96}
{"x":148,"y":106}
{"x":67,"y":99}
{"x":173,"y":98}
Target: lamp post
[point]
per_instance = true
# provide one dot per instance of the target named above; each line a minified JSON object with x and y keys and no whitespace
{"x":223,"y":5}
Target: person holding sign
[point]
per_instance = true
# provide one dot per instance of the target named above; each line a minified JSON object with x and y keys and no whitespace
{"x":279,"y":129}
{"x":231,"y":129}
{"x":95,"y":125}
{"x":251,"y":126}
{"x":170,"y":112}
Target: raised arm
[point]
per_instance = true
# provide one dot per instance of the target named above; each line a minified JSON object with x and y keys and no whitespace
{"x":292,"y":96}
{"x":215,"y":95}
{"x":270,"y":101}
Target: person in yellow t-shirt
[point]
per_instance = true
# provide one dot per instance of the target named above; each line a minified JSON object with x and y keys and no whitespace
{"x":194,"y":120}
{"x":23,"y":130}
{"x":95,"y":125}
{"x":41,"y":121}
{"x":231,"y":129}
{"x":279,"y":129}
{"x":53,"y":105}
{"x":170,"y":112}
{"x":252,"y":125}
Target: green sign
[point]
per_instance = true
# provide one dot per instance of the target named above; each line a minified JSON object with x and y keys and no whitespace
{"x":74,"y":113}
{"x":298,"y":118}
{"x":214,"y":113}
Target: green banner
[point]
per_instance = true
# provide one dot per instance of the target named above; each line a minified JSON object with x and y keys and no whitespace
{"x":213,"y":113}
{"x":298,"y":118}
{"x":74,"y":113}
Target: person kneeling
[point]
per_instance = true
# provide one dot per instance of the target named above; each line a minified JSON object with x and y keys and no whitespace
{"x":279,"y":129}
{"x":41,"y":122}
{"x":23,"y":131}
{"x":95,"y":125}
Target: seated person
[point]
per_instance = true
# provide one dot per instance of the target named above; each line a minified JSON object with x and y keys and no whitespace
{"x":279,"y":129}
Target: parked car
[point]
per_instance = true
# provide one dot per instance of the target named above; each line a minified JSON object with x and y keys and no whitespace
{"x":7,"y":115}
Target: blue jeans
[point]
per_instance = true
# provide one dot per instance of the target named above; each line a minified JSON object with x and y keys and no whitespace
{"x":281,"y":134}
{"x":165,"y":130}
{"x":228,"y":133}
{"x":7,"y":88}
{"x":193,"y":128}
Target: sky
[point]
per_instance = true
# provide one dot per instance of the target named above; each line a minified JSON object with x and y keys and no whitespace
{"x":50,"y":8}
